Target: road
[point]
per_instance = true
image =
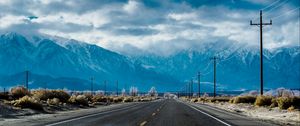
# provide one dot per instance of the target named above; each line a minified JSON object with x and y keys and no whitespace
{"x":168,"y":112}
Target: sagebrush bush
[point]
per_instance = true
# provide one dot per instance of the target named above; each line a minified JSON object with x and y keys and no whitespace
{"x":54,"y":101}
{"x":128,"y":99}
{"x":50,"y":94}
{"x":99,"y":98}
{"x":117,"y":99}
{"x":18,"y":92}
{"x":244,"y":99}
{"x":89,"y":96}
{"x":284,"y":102}
{"x":194,"y":100}
{"x":28,"y":102}
{"x":263,"y":101}
{"x":79,"y":100}
{"x":274,"y":103}
{"x":219,"y":99}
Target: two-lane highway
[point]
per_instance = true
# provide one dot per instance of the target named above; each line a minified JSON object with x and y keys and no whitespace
{"x":167,"y":112}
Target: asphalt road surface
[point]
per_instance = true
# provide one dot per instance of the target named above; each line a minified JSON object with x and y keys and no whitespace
{"x":167,"y":112}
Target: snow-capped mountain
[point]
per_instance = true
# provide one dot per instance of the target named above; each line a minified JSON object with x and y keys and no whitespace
{"x":57,"y":57}
{"x":237,"y":66}
{"x":67,"y":63}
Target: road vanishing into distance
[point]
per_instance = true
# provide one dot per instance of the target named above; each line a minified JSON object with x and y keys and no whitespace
{"x":165,"y":112}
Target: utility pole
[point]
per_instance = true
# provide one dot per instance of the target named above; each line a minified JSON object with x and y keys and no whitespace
{"x":104,"y":87}
{"x":260,"y":24}
{"x":187,"y":89}
{"x":26,"y":78}
{"x":198,"y":84}
{"x":215,"y":73}
{"x":117,"y":88}
{"x":192,"y":88}
{"x":92,"y":85}
{"x":45,"y":86}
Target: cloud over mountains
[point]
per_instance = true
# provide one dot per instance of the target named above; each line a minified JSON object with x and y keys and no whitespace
{"x":161,"y":27}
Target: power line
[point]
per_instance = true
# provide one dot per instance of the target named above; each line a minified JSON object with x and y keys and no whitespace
{"x":269,"y":11}
{"x":285,"y":13}
{"x":270,"y":5}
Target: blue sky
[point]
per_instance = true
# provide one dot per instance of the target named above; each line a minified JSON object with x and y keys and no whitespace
{"x":156,"y":26}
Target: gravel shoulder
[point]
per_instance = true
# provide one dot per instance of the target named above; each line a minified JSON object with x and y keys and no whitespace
{"x":271,"y":115}
{"x":27,"y":117}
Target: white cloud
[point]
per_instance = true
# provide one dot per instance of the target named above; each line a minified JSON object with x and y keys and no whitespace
{"x":9,"y":20}
{"x":168,"y":27}
{"x":132,"y":6}
{"x":182,"y":16}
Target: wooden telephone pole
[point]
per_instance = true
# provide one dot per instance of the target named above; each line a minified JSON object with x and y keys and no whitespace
{"x":92,"y":85}
{"x":260,"y":24}
{"x":26,"y":79}
{"x":198,"y":84}
{"x":215,"y":73}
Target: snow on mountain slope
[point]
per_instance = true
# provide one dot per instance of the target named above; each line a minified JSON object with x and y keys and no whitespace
{"x":237,"y":66}
{"x":58,"y":57}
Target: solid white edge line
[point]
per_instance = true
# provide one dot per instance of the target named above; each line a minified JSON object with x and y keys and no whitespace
{"x":207,"y":114}
{"x":86,"y":116}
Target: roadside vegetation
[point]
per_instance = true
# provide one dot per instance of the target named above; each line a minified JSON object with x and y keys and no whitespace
{"x":45,"y":100}
{"x":284,"y":101}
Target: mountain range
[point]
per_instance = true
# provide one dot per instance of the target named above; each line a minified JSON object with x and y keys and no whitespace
{"x":56,"y":62}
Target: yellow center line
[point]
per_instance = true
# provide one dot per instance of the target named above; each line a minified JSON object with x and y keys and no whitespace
{"x":143,"y":123}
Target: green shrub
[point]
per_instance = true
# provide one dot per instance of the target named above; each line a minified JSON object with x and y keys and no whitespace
{"x":28,"y":102}
{"x":244,"y":99}
{"x":50,"y":94}
{"x":263,"y":101}
{"x":19,"y":91}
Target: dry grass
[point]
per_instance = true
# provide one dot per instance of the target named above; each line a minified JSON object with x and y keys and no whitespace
{"x":286,"y":102}
{"x":28,"y":102}
{"x":99,"y":98}
{"x":54,"y":101}
{"x":19,"y":91}
{"x":50,"y":94}
{"x":78,"y":100}
{"x":243,"y":99}
{"x":274,"y":103}
{"x":263,"y":101}
{"x":89,"y":96}
{"x":128,"y":99}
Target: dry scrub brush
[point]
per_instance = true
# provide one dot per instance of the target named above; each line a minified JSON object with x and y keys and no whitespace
{"x":78,"y":100}
{"x":18,"y":92}
{"x":286,"y":102}
{"x":263,"y":101}
{"x":28,"y":102}
{"x":50,"y":94}
{"x":243,"y":99}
